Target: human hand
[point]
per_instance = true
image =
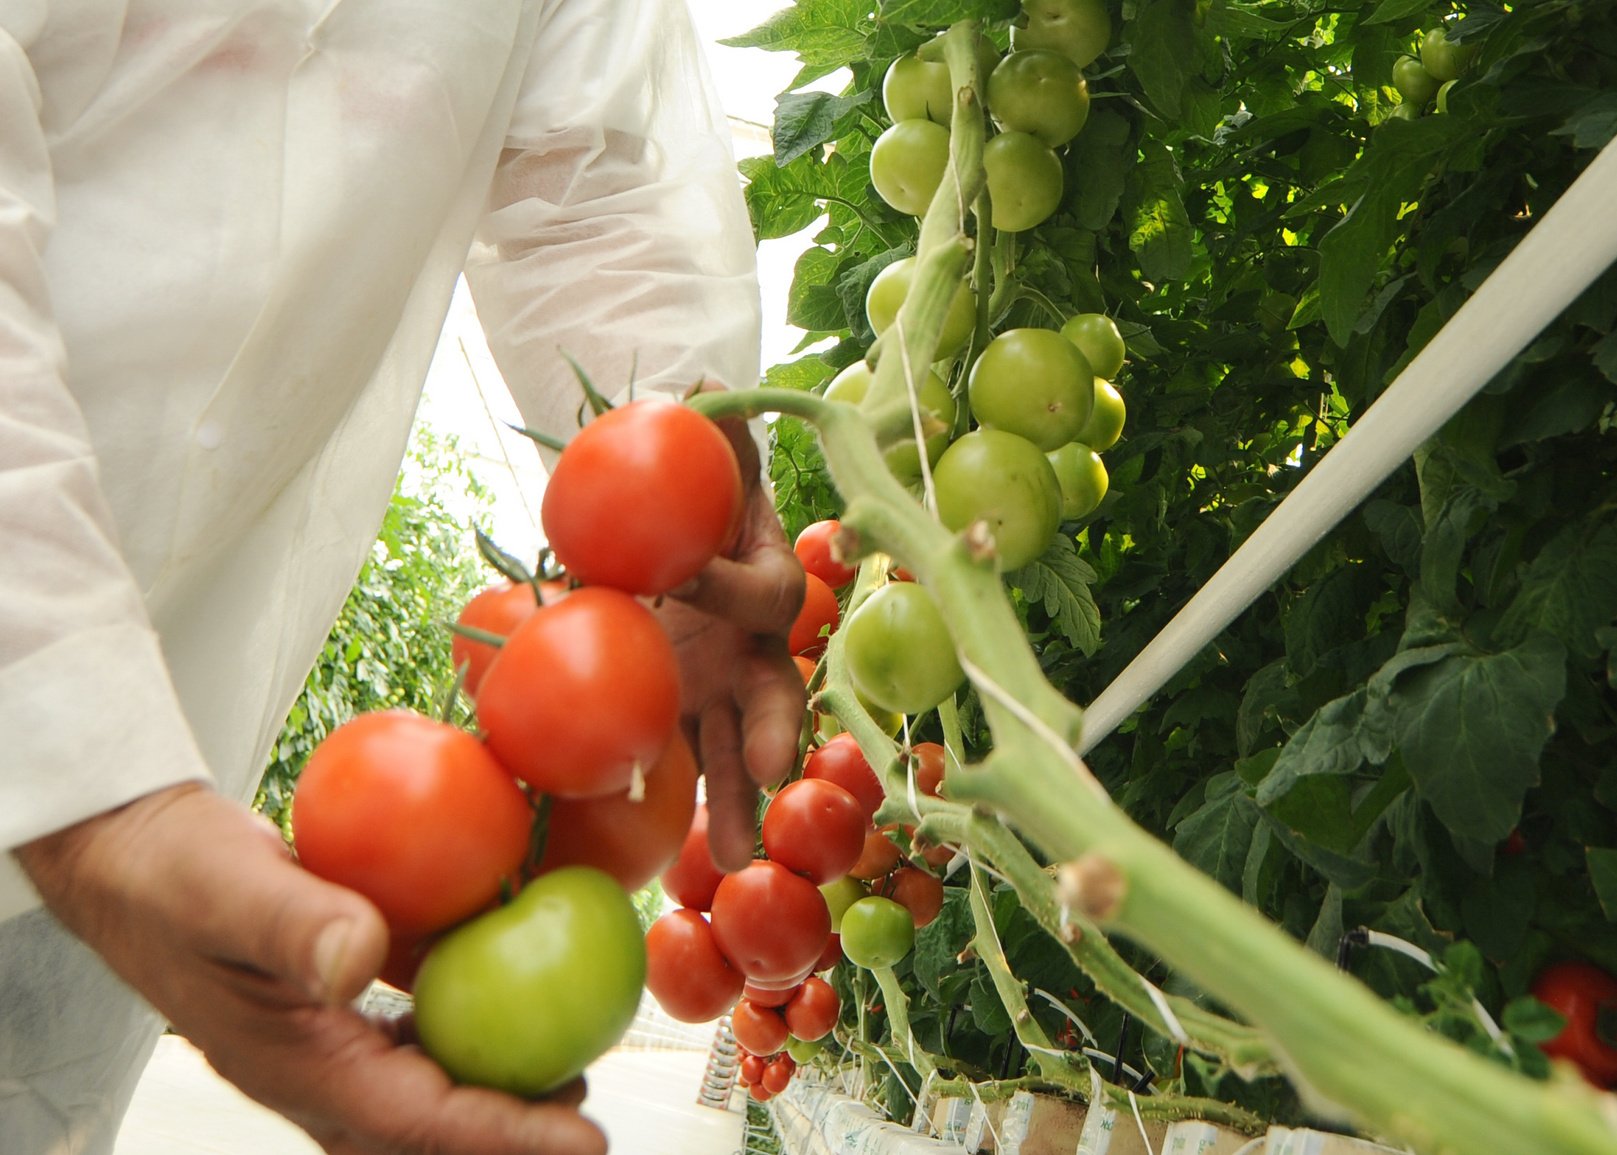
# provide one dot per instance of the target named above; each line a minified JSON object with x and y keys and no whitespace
{"x":195,"y":903}
{"x":742,"y":695}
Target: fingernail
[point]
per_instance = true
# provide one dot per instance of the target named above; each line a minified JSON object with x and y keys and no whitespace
{"x":330,"y":951}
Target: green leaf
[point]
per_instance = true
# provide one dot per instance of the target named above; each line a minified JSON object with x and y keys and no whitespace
{"x":1594,"y":124}
{"x":783,"y":201}
{"x":1398,"y":528}
{"x":825,"y":34}
{"x":1390,"y":10}
{"x":1217,"y":838}
{"x":1160,"y":234}
{"x":1569,"y":590}
{"x":1327,"y":615}
{"x":1471,"y":728}
{"x":1530,"y":1020}
{"x":1100,"y":165}
{"x":803,"y":374}
{"x":1060,"y":581}
{"x":806,"y":120}
{"x":1163,"y":37}
{"x":1400,"y":156}
{"x":987,"y":1011}
{"x":1603,"y":874}
{"x":942,"y":13}
{"x":939,"y":943}
{"x":1341,"y":737}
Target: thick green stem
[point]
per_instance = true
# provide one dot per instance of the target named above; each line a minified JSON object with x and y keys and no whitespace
{"x":898,"y":1021}
{"x":1060,"y":1067}
{"x":1242,"y":1047}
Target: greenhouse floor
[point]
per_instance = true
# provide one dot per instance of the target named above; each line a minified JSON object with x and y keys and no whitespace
{"x":644,"y":1099}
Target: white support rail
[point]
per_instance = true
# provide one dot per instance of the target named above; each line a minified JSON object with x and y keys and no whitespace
{"x":1561,"y":256}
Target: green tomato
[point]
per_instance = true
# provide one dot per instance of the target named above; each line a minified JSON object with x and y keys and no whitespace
{"x":523,"y":998}
{"x":1443,"y":95}
{"x":916,"y":89}
{"x":1024,"y":181}
{"x":839,"y":896}
{"x":907,"y":164}
{"x":899,"y":652}
{"x":1443,"y":58}
{"x":1404,"y":111}
{"x":1006,"y":482}
{"x":853,"y":383}
{"x":1082,"y":477}
{"x":1413,"y":82}
{"x":1105,"y":424}
{"x":891,"y":286}
{"x":1098,"y":340}
{"x":1034,"y":383}
{"x":876,"y":932}
{"x":1079,"y":29}
{"x":1039,"y":92}
{"x":803,"y":1050}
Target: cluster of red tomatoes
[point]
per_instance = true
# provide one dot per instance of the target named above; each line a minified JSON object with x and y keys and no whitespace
{"x":578,"y":788}
{"x":830,"y":885}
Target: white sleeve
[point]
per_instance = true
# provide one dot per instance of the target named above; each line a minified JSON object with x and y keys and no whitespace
{"x":88,"y":717}
{"x":616,"y":231}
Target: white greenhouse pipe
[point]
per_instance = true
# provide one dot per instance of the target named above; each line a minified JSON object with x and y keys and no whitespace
{"x":1574,"y":242}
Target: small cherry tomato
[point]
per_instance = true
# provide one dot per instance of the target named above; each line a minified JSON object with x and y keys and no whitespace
{"x":1586,"y":997}
{"x":813,"y":1010}
{"x":814,"y":548}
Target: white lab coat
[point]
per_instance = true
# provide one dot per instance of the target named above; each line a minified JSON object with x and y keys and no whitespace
{"x":229,"y":232}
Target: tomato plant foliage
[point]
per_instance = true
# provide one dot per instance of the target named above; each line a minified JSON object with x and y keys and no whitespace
{"x":1275,"y":246}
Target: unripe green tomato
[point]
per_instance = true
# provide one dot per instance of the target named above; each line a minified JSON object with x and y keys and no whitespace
{"x":1034,"y":383}
{"x":1404,"y":111}
{"x":839,"y":896}
{"x":907,"y":164}
{"x":1443,"y":58}
{"x":1413,"y":82}
{"x":1105,"y":424}
{"x":803,"y":1050}
{"x":1443,"y":95}
{"x":1006,"y":482}
{"x":1024,"y":181}
{"x":886,"y":296}
{"x":1079,"y":29}
{"x":1040,"y":92}
{"x":523,"y":998}
{"x":932,"y":392}
{"x":876,"y":932}
{"x":1097,"y":338}
{"x":898,"y":649}
{"x":916,"y":89}
{"x":1082,"y":477}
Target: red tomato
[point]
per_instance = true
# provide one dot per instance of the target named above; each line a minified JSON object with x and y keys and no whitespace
{"x":814,"y":549}
{"x":404,"y":956}
{"x":499,"y":609}
{"x":815,"y":828}
{"x":879,"y":856}
{"x":806,"y":667}
{"x":632,"y":840}
{"x":917,"y":892}
{"x":1586,"y":997}
{"x":929,"y":759}
{"x":642,"y":498}
{"x":770,"y":923}
{"x":761,"y":1030}
{"x":751,"y":1070}
{"x":685,"y":971}
{"x":830,"y":956}
{"x":816,"y":620}
{"x":415,"y":815}
{"x":813,"y":1012}
{"x":841,"y":761}
{"x":584,"y":691}
{"x":770,"y":996}
{"x":759,"y":1092}
{"x":778,"y":1074}
{"x":693,"y":879}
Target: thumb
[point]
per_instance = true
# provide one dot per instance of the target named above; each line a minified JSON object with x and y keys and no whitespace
{"x":275,"y":918}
